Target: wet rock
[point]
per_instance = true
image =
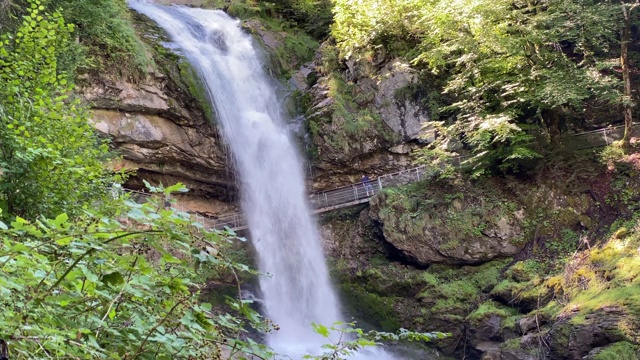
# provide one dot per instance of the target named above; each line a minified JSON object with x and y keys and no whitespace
{"x":487,"y":331}
{"x":526,"y":324}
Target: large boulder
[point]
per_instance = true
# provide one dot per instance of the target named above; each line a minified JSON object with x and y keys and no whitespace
{"x":454,"y":225}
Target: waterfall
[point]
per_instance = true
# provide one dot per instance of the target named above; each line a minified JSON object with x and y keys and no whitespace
{"x":298,"y":290}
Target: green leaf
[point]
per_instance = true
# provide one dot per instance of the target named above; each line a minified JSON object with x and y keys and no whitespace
{"x":320,"y":329}
{"x":113,"y":279}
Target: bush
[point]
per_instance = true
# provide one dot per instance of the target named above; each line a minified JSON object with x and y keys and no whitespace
{"x":51,"y":158}
{"x":119,"y":288}
{"x":106,"y":31}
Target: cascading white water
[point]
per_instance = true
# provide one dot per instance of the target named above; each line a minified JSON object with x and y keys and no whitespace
{"x":299,"y":291}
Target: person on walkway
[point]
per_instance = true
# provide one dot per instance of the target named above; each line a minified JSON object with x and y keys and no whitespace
{"x":367,"y":185}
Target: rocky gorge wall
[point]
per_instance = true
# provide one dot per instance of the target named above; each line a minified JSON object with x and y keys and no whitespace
{"x":512,"y":268}
{"x":501,"y":263}
{"x":165,"y":130}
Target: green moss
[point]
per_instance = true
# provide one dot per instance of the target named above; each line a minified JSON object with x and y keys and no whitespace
{"x":297,"y":49}
{"x":372,"y":308}
{"x":511,"y":344}
{"x":608,"y":276}
{"x":509,"y":322}
{"x":620,"y":351}
{"x":489,"y":308}
{"x":452,"y":288}
{"x":194,"y":85}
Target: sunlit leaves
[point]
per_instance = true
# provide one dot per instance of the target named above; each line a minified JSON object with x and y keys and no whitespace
{"x":50,"y":156}
{"x":344,"y":339}
{"x":95,"y":288}
{"x":502,"y":59}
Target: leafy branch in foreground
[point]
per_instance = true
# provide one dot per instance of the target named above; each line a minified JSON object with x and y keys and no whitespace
{"x":118,"y":288}
{"x":350,"y":340}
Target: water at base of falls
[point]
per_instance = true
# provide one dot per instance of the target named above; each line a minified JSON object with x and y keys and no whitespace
{"x":298,"y":290}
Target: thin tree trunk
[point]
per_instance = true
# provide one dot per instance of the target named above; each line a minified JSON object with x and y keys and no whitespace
{"x":551,"y":119}
{"x":626,"y":79}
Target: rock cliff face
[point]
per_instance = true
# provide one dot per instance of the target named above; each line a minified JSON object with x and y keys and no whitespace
{"x":163,"y":127}
{"x":361,"y":118}
{"x":452,"y":225}
{"x":158,"y":137}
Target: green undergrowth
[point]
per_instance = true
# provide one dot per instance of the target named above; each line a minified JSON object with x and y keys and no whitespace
{"x":605,"y":276}
{"x":311,"y":16}
{"x":104,"y":32}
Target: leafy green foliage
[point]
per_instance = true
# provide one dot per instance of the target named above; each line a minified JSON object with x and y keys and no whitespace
{"x":52,"y":161}
{"x":362,"y":26}
{"x":350,"y":339}
{"x":106,"y":31}
{"x":508,"y":64}
{"x":117,"y":288}
{"x":106,"y":39}
{"x":312,"y":16}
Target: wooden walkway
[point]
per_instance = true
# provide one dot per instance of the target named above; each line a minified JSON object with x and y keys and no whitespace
{"x":360,"y":193}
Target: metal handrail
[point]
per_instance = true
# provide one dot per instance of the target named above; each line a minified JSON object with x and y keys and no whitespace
{"x":360,"y":192}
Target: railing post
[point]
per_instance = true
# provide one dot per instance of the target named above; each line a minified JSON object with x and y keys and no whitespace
{"x":355,"y":192}
{"x":418,"y":173}
{"x":380,"y":182}
{"x":326,"y":202}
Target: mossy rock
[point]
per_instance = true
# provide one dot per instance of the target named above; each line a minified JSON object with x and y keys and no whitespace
{"x":191,"y":81}
{"x":622,"y":350}
{"x":435,"y":222}
{"x":568,"y":340}
{"x":370,"y":308}
{"x":450,"y":287}
{"x":391,"y":279}
{"x":523,"y":286}
{"x":491,"y":308}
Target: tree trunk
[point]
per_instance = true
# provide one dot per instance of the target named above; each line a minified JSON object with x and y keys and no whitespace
{"x":551,"y":119}
{"x":626,"y":79}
